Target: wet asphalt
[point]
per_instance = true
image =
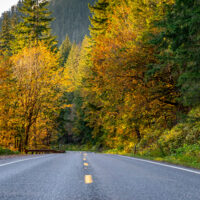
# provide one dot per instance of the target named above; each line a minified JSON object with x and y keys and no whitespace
{"x":102,"y":177}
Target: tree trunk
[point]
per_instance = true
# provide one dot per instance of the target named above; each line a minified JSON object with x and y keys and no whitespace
{"x":27,"y":135}
{"x":137,"y":130}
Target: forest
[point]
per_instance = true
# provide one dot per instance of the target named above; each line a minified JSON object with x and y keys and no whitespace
{"x":70,"y":17}
{"x":132,"y":86}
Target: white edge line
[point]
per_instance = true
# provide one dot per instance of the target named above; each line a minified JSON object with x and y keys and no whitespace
{"x":157,"y":163}
{"x":21,"y":160}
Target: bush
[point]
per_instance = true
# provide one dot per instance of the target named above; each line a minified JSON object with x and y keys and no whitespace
{"x":7,"y":152}
{"x":185,"y":133}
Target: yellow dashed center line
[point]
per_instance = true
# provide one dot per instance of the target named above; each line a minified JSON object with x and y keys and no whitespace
{"x":88,"y":179}
{"x":84,"y":159}
{"x":85,"y":164}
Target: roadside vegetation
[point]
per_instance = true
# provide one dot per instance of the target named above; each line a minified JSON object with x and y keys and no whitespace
{"x":7,"y":152}
{"x":136,"y":81}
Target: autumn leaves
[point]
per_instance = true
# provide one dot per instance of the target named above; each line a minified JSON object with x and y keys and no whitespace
{"x":125,"y":83}
{"x":31,"y":80}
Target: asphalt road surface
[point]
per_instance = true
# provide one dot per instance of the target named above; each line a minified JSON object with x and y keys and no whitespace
{"x":90,"y":176}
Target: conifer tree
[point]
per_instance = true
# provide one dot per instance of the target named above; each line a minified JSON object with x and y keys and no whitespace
{"x":65,"y":49}
{"x":179,"y":52}
{"x":35,"y":25}
{"x":99,"y":17}
{"x":5,"y":34}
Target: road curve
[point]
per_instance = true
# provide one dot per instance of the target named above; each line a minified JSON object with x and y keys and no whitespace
{"x":91,"y":176}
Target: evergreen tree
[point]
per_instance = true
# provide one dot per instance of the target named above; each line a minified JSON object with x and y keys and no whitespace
{"x":35,"y":25}
{"x":179,"y":51}
{"x":65,"y":49}
{"x":65,"y":12}
{"x":5,"y":34}
{"x":99,"y":17}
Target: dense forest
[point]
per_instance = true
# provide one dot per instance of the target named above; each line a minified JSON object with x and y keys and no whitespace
{"x":71,"y":18}
{"x":133,"y":85}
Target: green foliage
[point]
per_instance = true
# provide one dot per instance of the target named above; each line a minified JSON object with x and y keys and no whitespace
{"x":132,"y":86}
{"x":99,"y":18}
{"x":188,"y":155}
{"x":34,"y":25}
{"x":81,"y":128}
{"x":71,"y":18}
{"x":85,"y":147}
{"x":7,"y":152}
{"x":186,"y":133}
{"x":64,"y":49}
{"x":179,"y":49}
{"x":6,"y":34}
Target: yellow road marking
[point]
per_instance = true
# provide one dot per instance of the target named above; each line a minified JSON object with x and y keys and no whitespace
{"x":88,"y":179}
{"x":85,"y":164}
{"x":84,"y":159}
{"x":85,"y":154}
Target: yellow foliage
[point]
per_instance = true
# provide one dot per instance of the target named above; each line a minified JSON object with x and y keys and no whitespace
{"x":35,"y":89}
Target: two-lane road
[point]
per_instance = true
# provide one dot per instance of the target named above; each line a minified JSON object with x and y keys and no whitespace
{"x":90,"y":176}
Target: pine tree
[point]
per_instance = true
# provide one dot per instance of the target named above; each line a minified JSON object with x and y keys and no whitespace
{"x":99,"y":17}
{"x":65,"y":49}
{"x":5,"y":35}
{"x":179,"y":52}
{"x":35,"y":25}
{"x":71,"y":66}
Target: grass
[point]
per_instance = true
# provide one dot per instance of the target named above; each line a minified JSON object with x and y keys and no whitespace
{"x":72,"y":147}
{"x":188,"y":155}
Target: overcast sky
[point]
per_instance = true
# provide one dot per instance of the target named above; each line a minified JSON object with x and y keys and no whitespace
{"x":6,"y":5}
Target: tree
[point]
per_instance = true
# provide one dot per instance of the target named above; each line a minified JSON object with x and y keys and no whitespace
{"x":65,"y":48}
{"x":6,"y":34}
{"x":37,"y":90}
{"x":35,"y":25}
{"x":7,"y":134}
{"x":120,"y":102}
{"x":71,"y":66}
{"x":99,"y":19}
{"x":179,"y":49}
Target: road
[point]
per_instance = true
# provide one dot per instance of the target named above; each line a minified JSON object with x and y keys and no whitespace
{"x":91,"y":176}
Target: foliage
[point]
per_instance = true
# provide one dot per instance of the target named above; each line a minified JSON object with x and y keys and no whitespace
{"x":127,"y":84}
{"x":131,"y":86}
{"x":179,"y":49}
{"x":6,"y":35}
{"x":65,"y":48}
{"x":186,"y":133}
{"x":34,"y":25}
{"x":6,"y":152}
{"x":34,"y":90}
{"x":71,"y":18}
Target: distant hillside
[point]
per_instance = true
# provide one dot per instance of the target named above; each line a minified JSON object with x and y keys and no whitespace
{"x":71,"y":17}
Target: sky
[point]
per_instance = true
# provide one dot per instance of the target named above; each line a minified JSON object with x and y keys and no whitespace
{"x":6,"y":5}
